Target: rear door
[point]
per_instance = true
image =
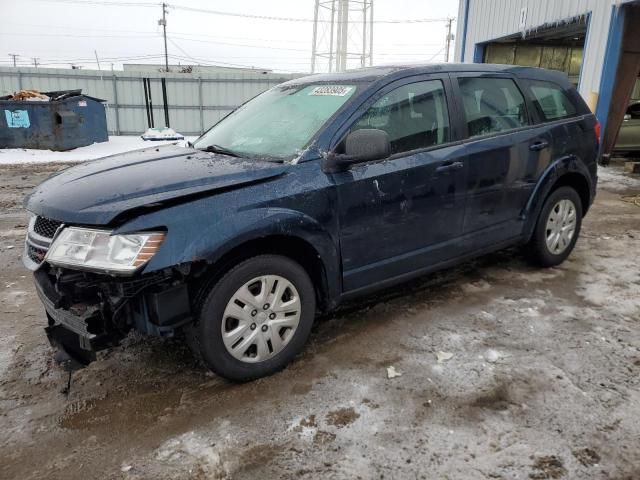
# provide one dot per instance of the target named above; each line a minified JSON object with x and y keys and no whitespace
{"x":405,"y":213}
{"x":564,"y":115}
{"x":504,"y":155}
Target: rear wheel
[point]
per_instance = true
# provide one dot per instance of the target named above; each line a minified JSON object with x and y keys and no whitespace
{"x":557,"y":228}
{"x":256,"y":318}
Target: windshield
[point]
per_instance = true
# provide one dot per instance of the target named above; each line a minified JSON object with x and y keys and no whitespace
{"x":278,"y":123}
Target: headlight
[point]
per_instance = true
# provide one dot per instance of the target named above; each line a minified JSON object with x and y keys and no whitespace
{"x":100,"y":250}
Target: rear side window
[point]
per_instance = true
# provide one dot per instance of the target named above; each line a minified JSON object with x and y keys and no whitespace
{"x":414,"y":115}
{"x":551,"y":101}
{"x":492,"y":105}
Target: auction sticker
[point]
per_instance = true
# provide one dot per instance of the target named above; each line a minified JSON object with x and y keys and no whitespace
{"x":331,"y":90}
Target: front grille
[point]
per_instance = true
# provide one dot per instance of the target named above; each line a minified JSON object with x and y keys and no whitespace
{"x":36,"y":254}
{"x":39,"y":237}
{"x":45,"y":227}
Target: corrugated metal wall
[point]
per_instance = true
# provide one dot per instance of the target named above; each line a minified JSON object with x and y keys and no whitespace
{"x":492,"y":19}
{"x":195,"y":101}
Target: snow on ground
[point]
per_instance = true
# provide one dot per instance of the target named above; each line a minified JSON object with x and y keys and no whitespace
{"x":614,"y":178}
{"x":116,"y":144}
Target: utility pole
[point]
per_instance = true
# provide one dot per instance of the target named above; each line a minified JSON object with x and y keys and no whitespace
{"x":35,"y":61}
{"x":448,"y":42}
{"x":163,"y":22}
{"x":14,"y":58}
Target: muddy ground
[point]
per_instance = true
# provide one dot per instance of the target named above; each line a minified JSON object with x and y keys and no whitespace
{"x":543,"y":381}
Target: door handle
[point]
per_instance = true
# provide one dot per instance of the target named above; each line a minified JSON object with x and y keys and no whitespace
{"x":446,"y":167}
{"x":537,"y":146}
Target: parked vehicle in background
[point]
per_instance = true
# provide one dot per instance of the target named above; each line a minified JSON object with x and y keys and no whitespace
{"x":321,"y":189}
{"x":628,"y":142}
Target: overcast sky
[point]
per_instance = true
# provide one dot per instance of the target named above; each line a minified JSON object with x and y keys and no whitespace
{"x":60,"y":32}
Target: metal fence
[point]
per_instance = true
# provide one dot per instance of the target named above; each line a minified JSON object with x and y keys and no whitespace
{"x":195,"y":101}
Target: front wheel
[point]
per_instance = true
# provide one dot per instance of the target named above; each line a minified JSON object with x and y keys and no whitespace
{"x":557,"y":228}
{"x":256,"y":318}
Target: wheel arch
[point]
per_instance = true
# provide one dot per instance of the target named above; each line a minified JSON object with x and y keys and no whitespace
{"x":293,"y":247}
{"x":568,"y":171}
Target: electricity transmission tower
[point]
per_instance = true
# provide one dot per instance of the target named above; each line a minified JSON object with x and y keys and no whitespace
{"x":342,"y":35}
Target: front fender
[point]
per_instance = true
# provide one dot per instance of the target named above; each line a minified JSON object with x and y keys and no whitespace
{"x":206,"y":239}
{"x":559,"y":168}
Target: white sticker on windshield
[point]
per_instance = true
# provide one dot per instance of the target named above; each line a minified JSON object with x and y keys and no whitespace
{"x":332,"y":90}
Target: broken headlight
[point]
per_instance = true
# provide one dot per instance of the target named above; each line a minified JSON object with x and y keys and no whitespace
{"x":101,"y":251}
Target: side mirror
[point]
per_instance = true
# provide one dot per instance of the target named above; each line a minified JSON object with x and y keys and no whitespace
{"x":361,"y":146}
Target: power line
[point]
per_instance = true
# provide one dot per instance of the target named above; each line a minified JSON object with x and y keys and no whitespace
{"x":229,"y":14}
{"x":147,"y":33}
{"x":66,"y":61}
{"x":436,"y":54}
{"x":214,"y":63}
{"x":22,"y":34}
{"x":295,"y":19}
{"x":182,"y":50}
{"x":103,"y":3}
{"x":240,"y":44}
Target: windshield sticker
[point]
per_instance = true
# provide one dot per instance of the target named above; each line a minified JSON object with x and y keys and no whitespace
{"x":331,"y":90}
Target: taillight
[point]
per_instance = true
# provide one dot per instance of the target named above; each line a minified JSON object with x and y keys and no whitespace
{"x":597,"y":130}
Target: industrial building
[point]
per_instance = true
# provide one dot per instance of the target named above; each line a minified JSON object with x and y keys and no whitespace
{"x":595,"y":42}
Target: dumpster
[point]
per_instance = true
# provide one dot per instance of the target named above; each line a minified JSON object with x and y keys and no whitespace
{"x":60,"y":120}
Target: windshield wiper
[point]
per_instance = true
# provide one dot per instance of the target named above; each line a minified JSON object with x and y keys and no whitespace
{"x":220,"y":149}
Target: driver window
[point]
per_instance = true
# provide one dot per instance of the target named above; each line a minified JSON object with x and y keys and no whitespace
{"x":415,"y":116}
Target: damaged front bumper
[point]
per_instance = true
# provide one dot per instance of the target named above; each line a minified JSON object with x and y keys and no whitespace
{"x":89,"y":312}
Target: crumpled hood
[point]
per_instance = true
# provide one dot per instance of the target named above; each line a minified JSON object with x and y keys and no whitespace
{"x":97,"y":191}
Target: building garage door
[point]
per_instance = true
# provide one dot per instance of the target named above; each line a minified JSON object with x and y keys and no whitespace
{"x":556,"y":47}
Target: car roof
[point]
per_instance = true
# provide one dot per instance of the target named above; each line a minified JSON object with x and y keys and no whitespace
{"x":372,"y":74}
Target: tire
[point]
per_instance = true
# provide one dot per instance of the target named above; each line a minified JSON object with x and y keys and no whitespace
{"x":539,"y":250}
{"x":239,"y":334}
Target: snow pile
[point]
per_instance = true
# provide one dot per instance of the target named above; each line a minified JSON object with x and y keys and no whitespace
{"x":162,"y":133}
{"x":116,"y":144}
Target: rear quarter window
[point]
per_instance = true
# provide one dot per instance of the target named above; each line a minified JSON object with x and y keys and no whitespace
{"x":551,"y":101}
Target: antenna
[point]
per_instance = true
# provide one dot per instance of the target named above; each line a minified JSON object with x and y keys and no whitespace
{"x":342,"y":35}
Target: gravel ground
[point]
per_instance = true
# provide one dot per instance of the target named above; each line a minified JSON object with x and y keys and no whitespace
{"x":507,"y":372}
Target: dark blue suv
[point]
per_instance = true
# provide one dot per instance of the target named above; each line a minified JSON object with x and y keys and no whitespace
{"x":318,"y":190}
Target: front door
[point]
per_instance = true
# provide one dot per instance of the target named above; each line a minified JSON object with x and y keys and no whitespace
{"x":405,"y":213}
